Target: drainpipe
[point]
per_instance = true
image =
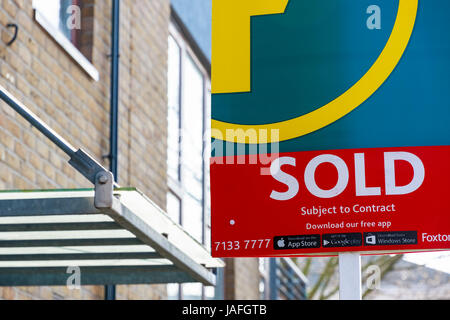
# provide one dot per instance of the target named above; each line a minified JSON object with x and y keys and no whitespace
{"x":110,"y":290}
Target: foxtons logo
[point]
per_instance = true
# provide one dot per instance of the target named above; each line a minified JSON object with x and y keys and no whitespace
{"x":435,"y":237}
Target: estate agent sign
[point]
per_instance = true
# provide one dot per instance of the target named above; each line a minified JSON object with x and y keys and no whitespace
{"x":330,"y":126}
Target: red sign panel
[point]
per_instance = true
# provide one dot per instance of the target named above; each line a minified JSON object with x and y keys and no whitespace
{"x":324,"y":202}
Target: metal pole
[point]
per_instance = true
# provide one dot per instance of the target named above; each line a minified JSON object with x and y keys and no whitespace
{"x":110,"y":290}
{"x":274,"y":281}
{"x":79,"y":159}
{"x":350,"y":276}
{"x":114,"y":121}
{"x":36,"y":122}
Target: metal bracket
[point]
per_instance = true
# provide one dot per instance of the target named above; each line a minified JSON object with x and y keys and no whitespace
{"x":98,"y":175}
{"x":86,"y":165}
{"x":104,"y":186}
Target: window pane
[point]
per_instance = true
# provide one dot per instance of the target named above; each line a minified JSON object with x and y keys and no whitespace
{"x":193,"y":217}
{"x":50,"y":9}
{"x":173,"y":207}
{"x":192,"y":291}
{"x":262,"y":289}
{"x":262,"y":265}
{"x":173,"y":291}
{"x":173,"y":142}
{"x":192,"y":139}
{"x":210,"y":293}
{"x":206,"y":156}
{"x":207,"y":241}
{"x":55,"y":12}
{"x":64,"y":17}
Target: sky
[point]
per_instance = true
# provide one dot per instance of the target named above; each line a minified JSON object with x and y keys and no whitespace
{"x":436,"y":260}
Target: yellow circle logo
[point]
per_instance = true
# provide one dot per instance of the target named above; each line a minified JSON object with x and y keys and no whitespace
{"x":341,"y":106}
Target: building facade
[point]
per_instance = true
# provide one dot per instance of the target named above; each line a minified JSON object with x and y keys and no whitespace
{"x":59,"y":65}
{"x":64,"y":77}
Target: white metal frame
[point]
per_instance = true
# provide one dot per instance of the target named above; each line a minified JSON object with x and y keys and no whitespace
{"x":350,"y":276}
{"x":42,"y":233}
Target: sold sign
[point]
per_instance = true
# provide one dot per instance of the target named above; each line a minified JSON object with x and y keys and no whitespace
{"x":330,"y":127}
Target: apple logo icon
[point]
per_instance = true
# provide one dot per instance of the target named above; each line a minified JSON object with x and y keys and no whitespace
{"x":280,"y":243}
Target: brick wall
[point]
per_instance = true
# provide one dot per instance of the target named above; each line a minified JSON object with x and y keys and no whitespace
{"x":37,"y":71}
{"x":143,"y":101}
{"x":47,"y":80}
{"x":242,"y":279}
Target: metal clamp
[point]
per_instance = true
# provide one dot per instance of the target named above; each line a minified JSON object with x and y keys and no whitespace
{"x":104,"y":186}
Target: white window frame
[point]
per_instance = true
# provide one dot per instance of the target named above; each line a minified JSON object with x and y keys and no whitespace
{"x":264,"y":276}
{"x":176,"y":187}
{"x":65,"y":43}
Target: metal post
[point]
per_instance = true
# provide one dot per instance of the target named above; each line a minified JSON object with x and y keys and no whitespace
{"x":36,"y":122}
{"x":114,"y":113}
{"x":274,"y":281}
{"x":110,"y":290}
{"x":350,"y":276}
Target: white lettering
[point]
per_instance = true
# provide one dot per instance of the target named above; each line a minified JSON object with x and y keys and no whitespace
{"x":343,"y":176}
{"x":389,"y":167}
{"x":435,"y":237}
{"x":392,"y":186}
{"x":290,"y":181}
